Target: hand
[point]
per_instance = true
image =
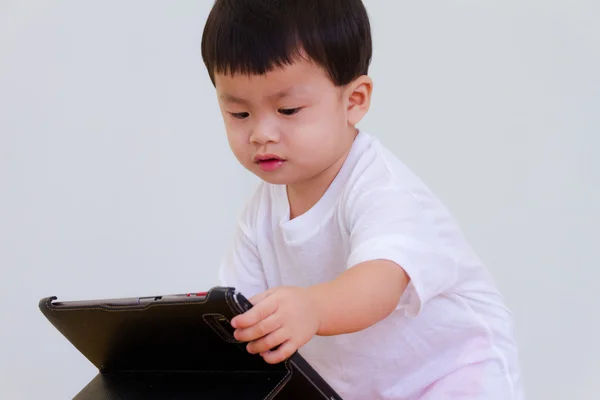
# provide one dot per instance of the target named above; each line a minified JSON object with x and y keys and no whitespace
{"x":287,"y":317}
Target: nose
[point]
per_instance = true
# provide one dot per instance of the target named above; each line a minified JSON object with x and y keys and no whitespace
{"x":264,"y":132}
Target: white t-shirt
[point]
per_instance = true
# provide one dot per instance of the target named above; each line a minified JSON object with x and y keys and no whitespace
{"x":450,"y":337}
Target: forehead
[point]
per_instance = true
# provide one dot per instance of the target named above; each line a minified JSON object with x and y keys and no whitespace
{"x":300,"y":77}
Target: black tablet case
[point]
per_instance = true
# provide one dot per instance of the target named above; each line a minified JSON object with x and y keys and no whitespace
{"x":181,"y":350}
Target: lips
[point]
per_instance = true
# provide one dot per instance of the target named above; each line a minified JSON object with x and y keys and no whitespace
{"x":268,"y":162}
{"x":267,"y":157}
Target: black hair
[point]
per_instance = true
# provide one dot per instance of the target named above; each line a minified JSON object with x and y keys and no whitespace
{"x":256,"y":36}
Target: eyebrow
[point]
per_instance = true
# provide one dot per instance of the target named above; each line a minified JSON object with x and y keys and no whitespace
{"x":276,"y":96}
{"x":232,"y":99}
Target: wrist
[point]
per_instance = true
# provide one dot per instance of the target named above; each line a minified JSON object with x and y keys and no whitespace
{"x":318,"y":295}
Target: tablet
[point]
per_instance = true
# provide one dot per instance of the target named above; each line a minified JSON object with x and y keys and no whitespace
{"x":177,"y":346}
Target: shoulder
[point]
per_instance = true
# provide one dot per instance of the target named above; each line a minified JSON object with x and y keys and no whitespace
{"x":379,"y":174}
{"x":376,"y":167}
{"x":382,"y":190}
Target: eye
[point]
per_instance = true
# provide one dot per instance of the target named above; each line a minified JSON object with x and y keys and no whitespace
{"x":241,"y":115}
{"x":288,"y":111}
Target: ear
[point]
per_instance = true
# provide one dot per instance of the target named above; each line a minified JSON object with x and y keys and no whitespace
{"x":358,"y":95}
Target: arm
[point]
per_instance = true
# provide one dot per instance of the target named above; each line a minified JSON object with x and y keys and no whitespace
{"x":371,"y":290}
{"x":289,"y":317}
{"x":391,"y":240}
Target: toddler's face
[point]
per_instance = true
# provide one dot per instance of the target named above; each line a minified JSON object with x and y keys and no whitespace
{"x":289,"y":125}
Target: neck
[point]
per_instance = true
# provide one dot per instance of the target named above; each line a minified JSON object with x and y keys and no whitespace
{"x":302,"y":196}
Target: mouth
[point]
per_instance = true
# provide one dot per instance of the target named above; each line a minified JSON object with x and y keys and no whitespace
{"x":267,"y":157}
{"x":269,"y":162}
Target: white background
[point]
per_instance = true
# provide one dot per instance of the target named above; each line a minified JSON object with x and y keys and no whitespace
{"x":116,"y":178}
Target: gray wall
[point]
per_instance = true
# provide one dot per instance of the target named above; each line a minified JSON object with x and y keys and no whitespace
{"x":116,"y":178}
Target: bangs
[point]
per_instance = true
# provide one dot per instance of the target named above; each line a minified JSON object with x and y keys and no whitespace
{"x":254,"y":37}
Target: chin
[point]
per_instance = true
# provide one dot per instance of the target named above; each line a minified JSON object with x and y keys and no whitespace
{"x":283,"y":176}
{"x":274,"y":179}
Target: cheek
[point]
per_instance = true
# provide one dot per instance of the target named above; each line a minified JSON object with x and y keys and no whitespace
{"x":326,"y":122}
{"x":316,"y":143}
{"x":333,"y":112}
{"x":238,"y":142}
{"x":323,"y":136}
{"x":323,"y":118}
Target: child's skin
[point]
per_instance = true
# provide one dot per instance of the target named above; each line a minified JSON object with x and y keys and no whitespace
{"x":305,"y":125}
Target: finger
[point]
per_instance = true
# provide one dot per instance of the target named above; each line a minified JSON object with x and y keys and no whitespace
{"x":259,"y":297}
{"x":254,"y":315}
{"x":268,"y":342}
{"x":257,"y":331}
{"x":281,"y":354}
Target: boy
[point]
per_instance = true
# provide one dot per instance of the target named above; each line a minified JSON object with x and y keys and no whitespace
{"x":348,"y":256}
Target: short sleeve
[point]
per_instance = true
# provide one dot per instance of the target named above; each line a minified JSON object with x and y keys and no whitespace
{"x":242,"y":267}
{"x":390,"y":224}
